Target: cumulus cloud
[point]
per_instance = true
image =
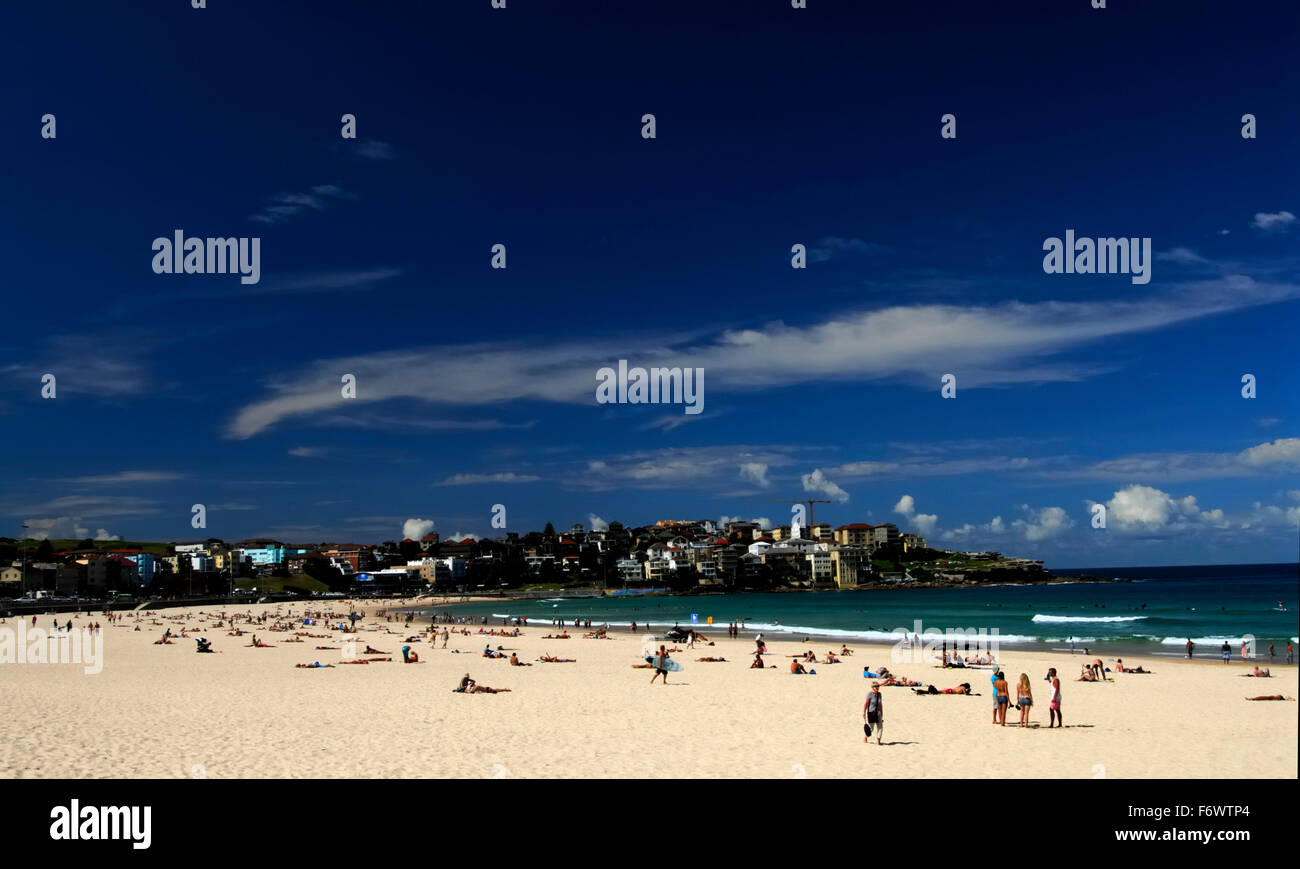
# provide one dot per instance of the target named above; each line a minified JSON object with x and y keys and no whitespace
{"x":756,"y":473}
{"x":414,"y":529}
{"x":923,"y":522}
{"x":1043,"y":524}
{"x":1283,"y":451}
{"x":1271,"y":222}
{"x":761,"y":521}
{"x":63,"y":528}
{"x":817,"y":482}
{"x":597,"y":523}
{"x":1145,"y":509}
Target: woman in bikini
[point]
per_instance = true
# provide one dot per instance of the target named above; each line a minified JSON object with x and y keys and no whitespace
{"x":1024,"y":699}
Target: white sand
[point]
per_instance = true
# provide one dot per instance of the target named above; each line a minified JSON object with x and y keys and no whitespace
{"x":164,"y":711}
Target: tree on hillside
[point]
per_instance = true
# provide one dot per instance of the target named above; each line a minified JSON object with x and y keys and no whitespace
{"x":45,"y":551}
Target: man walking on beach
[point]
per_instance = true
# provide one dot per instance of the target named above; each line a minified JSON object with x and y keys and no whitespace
{"x":873,"y":711}
{"x":1189,"y":648}
{"x":661,"y":666}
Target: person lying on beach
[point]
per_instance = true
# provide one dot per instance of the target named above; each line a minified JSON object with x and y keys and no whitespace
{"x":711,"y":660}
{"x":758,"y":663}
{"x":551,"y":659}
{"x":258,"y":644}
{"x":204,"y":644}
{"x":963,"y":688}
{"x":898,"y":681}
{"x":1262,"y":674}
{"x":469,"y":686}
{"x":162,"y":642}
{"x":370,"y":651}
{"x":563,"y":636}
{"x":314,"y":665}
{"x":1271,"y":697}
{"x":797,"y":669}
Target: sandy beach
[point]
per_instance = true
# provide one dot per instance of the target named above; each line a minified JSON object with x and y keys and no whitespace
{"x":164,"y":711}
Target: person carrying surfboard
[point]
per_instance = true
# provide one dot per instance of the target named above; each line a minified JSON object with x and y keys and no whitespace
{"x":661,"y":661}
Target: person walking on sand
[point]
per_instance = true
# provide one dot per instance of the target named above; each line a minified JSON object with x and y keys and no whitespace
{"x":1189,"y":648}
{"x":993,"y":681}
{"x":1002,"y":696}
{"x":661,"y":665}
{"x":445,"y":635}
{"x":1054,"y":718}
{"x":873,"y":712}
{"x":1024,"y":699}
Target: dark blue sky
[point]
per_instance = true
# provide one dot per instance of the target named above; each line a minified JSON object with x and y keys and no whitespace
{"x":775,"y":126}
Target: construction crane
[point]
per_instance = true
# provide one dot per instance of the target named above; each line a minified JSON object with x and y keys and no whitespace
{"x":808,"y":501}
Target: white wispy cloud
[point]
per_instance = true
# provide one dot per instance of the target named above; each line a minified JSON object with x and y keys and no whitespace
{"x":476,"y":479}
{"x":122,"y":478}
{"x":372,"y":149}
{"x":834,"y":245}
{"x":991,"y":345}
{"x":281,"y":207}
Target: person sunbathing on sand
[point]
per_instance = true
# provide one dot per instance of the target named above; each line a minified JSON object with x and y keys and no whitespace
{"x":515,"y":662}
{"x":711,"y":660}
{"x":831,"y":659}
{"x":1086,"y":675}
{"x":551,"y":659}
{"x":901,"y":681}
{"x":845,"y":651}
{"x":963,"y":688}
{"x":370,"y":651}
{"x":1262,"y":674}
{"x":758,"y":663}
{"x":314,"y":665}
{"x":796,"y":669}
{"x":1271,"y":697}
{"x":469,"y":686}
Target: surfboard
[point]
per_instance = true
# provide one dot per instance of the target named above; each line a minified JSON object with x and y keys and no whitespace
{"x":672,"y":667}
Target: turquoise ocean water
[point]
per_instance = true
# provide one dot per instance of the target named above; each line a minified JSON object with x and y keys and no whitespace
{"x":1154,"y":613}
